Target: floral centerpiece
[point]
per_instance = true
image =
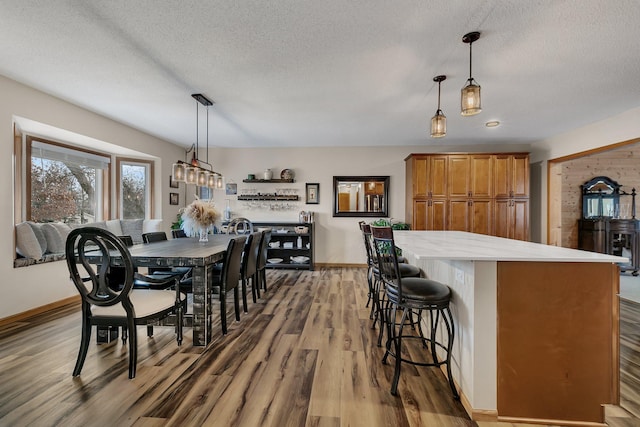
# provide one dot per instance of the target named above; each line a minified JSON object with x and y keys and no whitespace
{"x":198,"y":217}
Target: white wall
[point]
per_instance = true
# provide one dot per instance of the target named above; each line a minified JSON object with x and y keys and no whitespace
{"x":29,"y":287}
{"x":619,"y":128}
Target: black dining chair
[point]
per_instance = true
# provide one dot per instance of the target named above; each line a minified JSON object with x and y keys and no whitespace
{"x":102,"y":304}
{"x":410,"y":295}
{"x":229,"y":279}
{"x":263,"y":254}
{"x":178,"y":233}
{"x":249,"y":268}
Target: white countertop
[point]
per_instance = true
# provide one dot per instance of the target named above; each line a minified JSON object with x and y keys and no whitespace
{"x":460,"y":245}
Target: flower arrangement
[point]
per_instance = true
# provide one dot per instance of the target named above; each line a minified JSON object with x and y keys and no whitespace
{"x":199,"y":216}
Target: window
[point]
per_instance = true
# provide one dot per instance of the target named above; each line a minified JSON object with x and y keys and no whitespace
{"x":134,"y":188}
{"x":65,"y":183}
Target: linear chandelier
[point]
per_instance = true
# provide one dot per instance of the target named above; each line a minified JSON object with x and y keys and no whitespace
{"x":194,"y":172}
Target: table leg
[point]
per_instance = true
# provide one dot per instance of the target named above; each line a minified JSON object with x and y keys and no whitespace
{"x":201,"y":305}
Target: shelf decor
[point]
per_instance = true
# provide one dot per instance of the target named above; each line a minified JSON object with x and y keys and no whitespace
{"x":313,"y":193}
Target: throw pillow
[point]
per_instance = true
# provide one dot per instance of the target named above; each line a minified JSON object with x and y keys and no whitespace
{"x":133,"y":228}
{"x":37,"y":230}
{"x":27,"y":244}
{"x":63,"y":229}
{"x":55,"y":242}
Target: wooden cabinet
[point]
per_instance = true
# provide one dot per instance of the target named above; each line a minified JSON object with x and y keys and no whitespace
{"x":614,"y":237}
{"x":511,"y":175}
{"x":511,"y":218}
{"x":482,"y":193}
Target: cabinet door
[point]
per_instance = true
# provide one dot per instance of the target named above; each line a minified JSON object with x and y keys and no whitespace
{"x":502,"y":220}
{"x":420,"y":166}
{"x":520,"y":176}
{"x":481,"y":179}
{"x":420,"y":215}
{"x":437,"y":176}
{"x":502,"y":175}
{"x":437,"y":215}
{"x":481,"y":216}
{"x":458,"y":176}
{"x":458,"y":215}
{"x":520,"y":219}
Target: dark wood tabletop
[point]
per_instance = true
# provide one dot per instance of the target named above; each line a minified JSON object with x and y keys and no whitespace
{"x":181,"y":252}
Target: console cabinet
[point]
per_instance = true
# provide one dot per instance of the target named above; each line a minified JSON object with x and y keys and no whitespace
{"x":485,"y":193}
{"x":614,"y":237}
{"x":284,"y":244}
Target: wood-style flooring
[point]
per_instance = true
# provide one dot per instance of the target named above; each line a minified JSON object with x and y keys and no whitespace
{"x":304,"y":355}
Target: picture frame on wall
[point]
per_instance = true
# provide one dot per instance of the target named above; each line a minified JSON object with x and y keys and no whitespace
{"x":231,"y":189}
{"x":172,"y":183}
{"x":174,"y":198}
{"x":312,"y":193}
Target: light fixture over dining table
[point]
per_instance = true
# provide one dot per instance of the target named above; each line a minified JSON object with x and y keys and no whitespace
{"x":194,"y":172}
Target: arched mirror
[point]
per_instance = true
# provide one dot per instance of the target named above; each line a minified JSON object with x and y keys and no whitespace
{"x":600,"y":198}
{"x":356,"y":196}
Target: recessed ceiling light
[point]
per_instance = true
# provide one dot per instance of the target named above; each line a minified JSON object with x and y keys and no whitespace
{"x":492,"y":124}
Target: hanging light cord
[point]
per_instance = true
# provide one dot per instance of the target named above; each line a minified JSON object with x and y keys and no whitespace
{"x":439,"y":111}
{"x":470,"y":75}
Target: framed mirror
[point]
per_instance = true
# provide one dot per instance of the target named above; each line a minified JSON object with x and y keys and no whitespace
{"x":600,"y":198}
{"x":361,"y":196}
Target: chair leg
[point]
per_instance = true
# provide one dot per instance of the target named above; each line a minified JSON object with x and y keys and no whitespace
{"x":124,"y":335}
{"x":263,"y":274}
{"x":133,"y":348}
{"x":255,"y":285}
{"x":244,"y":294}
{"x":179,"y":321}
{"x":448,"y":321}
{"x":84,"y":346}
{"x":149,"y":330}
{"x":223,"y":311}
{"x":236,"y":303}
{"x":398,"y":349}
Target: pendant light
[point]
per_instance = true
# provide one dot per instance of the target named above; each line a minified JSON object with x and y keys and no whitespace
{"x":470,"y":94}
{"x":439,"y":121}
{"x":194,"y":172}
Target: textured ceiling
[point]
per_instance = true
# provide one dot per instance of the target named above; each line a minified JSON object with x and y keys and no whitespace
{"x":327,"y":73}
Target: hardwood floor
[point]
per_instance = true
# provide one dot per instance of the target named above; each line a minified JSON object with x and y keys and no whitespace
{"x":305,"y":355}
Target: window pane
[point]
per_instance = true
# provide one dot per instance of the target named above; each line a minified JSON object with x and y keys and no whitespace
{"x":63,"y":191}
{"x":133,"y":180}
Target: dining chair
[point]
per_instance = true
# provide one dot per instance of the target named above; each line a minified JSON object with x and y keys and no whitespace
{"x":104,"y":305}
{"x":178,"y":233}
{"x":240,"y":226}
{"x":263,"y":254}
{"x":183,"y":273}
{"x":409,"y":295}
{"x":230,"y":278}
{"x":249,"y":268}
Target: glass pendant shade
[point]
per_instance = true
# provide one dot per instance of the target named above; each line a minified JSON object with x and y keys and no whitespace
{"x":191,"y":175}
{"x":438,"y":125}
{"x":211,"y":181}
{"x":470,"y":98}
{"x":219,"y":182}
{"x":179,"y":172}
{"x":202,"y":178}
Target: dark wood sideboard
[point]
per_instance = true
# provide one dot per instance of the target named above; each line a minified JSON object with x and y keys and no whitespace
{"x":612,"y":236}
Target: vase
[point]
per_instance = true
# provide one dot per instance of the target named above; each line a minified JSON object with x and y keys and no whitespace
{"x":204,"y":235}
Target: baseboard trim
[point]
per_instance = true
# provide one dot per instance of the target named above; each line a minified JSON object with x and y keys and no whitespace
{"x":74,"y":300}
{"x":551,"y":422}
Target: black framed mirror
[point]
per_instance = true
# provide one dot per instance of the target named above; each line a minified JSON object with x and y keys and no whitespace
{"x":361,"y":196}
{"x":600,"y":198}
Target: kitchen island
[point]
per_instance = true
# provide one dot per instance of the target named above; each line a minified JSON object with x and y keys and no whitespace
{"x":537,"y":328}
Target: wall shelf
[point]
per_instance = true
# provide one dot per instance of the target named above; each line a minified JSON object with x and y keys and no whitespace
{"x":262,"y":197}
{"x":264,"y":181}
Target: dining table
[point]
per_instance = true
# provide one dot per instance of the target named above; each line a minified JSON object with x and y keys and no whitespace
{"x":201,"y":257}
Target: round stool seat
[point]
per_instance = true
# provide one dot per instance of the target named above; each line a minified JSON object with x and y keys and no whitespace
{"x":423,"y":290}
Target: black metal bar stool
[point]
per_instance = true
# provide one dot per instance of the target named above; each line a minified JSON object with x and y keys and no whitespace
{"x":412,"y":294}
{"x":376,"y":291}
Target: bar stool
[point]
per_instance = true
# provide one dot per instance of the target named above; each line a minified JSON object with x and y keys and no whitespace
{"x":376,"y":294}
{"x":410,"y":294}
